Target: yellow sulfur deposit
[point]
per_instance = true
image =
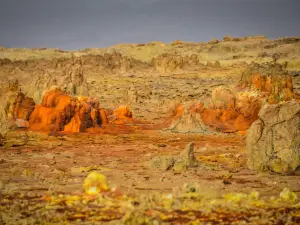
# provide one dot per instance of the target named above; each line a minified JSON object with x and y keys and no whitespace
{"x":95,"y":183}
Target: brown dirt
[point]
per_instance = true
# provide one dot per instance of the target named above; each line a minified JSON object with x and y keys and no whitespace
{"x":121,"y":158}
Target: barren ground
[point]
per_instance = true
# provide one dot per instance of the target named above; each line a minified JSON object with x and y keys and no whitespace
{"x":57,"y":165}
{"x":122,"y":159}
{"x":60,"y":165}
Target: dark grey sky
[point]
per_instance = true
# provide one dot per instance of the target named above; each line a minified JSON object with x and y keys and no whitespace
{"x":75,"y":24}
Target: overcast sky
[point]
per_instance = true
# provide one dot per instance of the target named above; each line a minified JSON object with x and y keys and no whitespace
{"x":75,"y":24}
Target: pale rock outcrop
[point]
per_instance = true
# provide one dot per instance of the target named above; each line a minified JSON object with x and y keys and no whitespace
{"x":71,"y":80}
{"x":179,"y":163}
{"x":15,"y":106}
{"x":170,"y":62}
{"x":273,"y":141}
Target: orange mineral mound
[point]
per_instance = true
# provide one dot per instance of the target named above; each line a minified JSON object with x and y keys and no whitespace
{"x":56,"y":109}
{"x":271,"y":79}
{"x":235,"y":110}
{"x":56,"y":99}
{"x":230,"y":120}
{"x":60,"y":112}
{"x":103,"y":116}
{"x":87,"y":115}
{"x":123,"y":112}
{"x":78,"y":121}
{"x":228,"y":113}
{"x":121,"y":115}
{"x":45,"y":119}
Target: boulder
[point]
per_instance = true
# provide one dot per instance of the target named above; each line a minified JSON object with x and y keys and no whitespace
{"x":186,"y":159}
{"x":273,"y":141}
{"x":217,"y":64}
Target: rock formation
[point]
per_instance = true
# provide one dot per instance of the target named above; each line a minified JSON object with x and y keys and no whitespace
{"x":228,"y":113}
{"x":71,"y":80}
{"x":113,"y":62}
{"x":107,"y":74}
{"x":69,"y":74}
{"x":271,"y":79}
{"x":179,"y":163}
{"x":187,"y":119}
{"x":232,"y":112}
{"x":56,"y":108}
{"x":61,"y":112}
{"x":235,"y":109}
{"x":121,"y":115}
{"x":22,"y":107}
{"x":58,"y":111}
{"x":273,"y":141}
{"x":223,"y":97}
{"x":15,"y":107}
{"x":173,"y":62}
